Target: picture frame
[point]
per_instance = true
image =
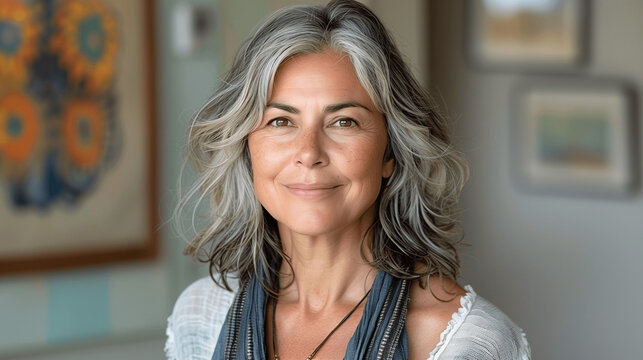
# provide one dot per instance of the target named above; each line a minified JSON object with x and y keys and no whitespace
{"x":527,"y":35}
{"x":574,"y":137}
{"x":83,"y":191}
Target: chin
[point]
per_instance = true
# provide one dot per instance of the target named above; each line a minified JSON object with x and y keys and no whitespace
{"x":311,"y":225}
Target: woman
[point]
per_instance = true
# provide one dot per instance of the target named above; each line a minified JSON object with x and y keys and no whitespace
{"x":333,"y":184}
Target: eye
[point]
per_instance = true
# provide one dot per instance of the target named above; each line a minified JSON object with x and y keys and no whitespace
{"x":279,"y":122}
{"x":345,"y":123}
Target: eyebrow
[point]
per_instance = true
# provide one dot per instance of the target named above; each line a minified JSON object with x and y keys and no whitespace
{"x":327,"y":109}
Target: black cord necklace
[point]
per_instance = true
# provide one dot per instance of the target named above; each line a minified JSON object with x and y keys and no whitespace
{"x":274,"y":328}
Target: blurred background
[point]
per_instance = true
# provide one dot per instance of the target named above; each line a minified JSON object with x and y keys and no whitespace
{"x":95,"y":101}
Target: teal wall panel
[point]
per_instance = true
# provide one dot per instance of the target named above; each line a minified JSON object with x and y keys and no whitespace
{"x":138,"y":297}
{"x":23,"y":304}
{"x":78,"y":306}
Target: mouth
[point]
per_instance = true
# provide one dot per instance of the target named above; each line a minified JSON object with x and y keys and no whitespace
{"x":311,"y":190}
{"x":317,"y":186}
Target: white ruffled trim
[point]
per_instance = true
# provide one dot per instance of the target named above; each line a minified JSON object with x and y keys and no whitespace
{"x":457,"y":319}
{"x":170,"y":347}
{"x":525,"y":352}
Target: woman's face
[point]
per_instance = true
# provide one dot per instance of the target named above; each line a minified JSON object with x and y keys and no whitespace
{"x":317,"y":156}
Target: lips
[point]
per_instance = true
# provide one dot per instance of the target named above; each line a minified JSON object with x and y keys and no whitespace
{"x":311,"y":190}
{"x":315,"y":186}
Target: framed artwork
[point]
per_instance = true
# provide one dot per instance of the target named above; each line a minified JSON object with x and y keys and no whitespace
{"x":575,"y":137}
{"x":77,"y":133}
{"x":526,"y":34}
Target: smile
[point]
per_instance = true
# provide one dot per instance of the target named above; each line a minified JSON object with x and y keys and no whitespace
{"x":311,"y":191}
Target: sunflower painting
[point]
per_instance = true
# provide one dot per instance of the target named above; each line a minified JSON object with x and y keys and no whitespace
{"x":61,"y":56}
{"x":75,"y":121}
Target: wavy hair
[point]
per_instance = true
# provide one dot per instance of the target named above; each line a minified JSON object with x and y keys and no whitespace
{"x":416,"y":222}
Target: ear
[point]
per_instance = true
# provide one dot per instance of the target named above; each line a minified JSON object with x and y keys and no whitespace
{"x":387,"y":168}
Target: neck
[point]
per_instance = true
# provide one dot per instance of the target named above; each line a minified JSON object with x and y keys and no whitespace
{"x":328,"y":269}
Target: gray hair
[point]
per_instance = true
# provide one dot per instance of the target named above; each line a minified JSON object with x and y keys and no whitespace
{"x":417,"y":204}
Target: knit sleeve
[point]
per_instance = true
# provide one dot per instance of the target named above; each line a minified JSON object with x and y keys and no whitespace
{"x":194,"y":325}
{"x":482,"y":332}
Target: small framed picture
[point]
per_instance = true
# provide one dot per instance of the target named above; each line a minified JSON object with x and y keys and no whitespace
{"x":527,"y":34}
{"x":574,"y":137}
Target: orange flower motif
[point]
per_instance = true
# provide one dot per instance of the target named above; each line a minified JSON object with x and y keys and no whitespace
{"x":18,"y":42}
{"x":85,"y":37}
{"x":83,"y":129}
{"x":19,"y":128}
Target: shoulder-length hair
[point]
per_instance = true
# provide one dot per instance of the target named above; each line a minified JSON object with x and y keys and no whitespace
{"x":416,"y":223}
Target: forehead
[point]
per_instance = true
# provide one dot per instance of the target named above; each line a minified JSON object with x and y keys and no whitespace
{"x":327,"y":60}
{"x":323,"y":73}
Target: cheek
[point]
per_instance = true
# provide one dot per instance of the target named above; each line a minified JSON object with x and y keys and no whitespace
{"x":364,"y":162}
{"x":265,"y":167}
{"x":259,"y":155}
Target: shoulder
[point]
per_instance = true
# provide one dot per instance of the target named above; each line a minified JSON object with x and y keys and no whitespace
{"x":480,"y":330}
{"x":195,"y":322}
{"x":430,"y":309}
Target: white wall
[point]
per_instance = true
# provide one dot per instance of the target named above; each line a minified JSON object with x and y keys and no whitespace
{"x":565,"y":269}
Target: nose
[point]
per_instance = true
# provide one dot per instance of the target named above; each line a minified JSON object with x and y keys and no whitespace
{"x":311,"y":151}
